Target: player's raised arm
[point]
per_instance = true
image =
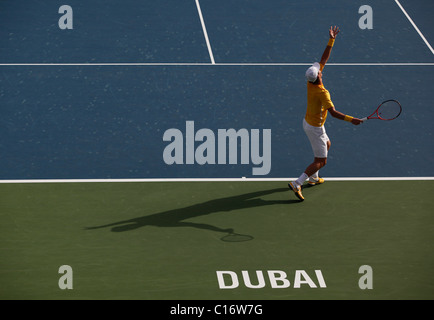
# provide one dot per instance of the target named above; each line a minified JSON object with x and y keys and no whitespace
{"x":333,"y":32}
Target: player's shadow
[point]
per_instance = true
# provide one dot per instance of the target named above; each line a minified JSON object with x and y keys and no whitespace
{"x":177,"y":217}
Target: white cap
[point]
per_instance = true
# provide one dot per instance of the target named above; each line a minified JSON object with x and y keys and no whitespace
{"x":312,"y":72}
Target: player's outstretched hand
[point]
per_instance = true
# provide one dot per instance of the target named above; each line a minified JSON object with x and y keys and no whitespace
{"x":333,"y":32}
{"x":356,"y":121}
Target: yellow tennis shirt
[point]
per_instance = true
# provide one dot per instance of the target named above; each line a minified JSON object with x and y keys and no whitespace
{"x":318,"y":102}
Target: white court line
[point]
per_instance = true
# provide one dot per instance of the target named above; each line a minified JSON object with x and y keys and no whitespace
{"x":192,"y":64}
{"x":414,"y":25}
{"x":209,"y":180}
{"x":205,"y":33}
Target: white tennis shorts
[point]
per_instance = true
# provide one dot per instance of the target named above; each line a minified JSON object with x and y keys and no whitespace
{"x":318,"y":139}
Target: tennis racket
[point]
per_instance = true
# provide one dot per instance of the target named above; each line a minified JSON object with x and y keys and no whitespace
{"x":387,"y":110}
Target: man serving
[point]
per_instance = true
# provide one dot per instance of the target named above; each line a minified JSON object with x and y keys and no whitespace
{"x":318,"y":105}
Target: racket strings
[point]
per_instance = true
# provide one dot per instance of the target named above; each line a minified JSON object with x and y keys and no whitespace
{"x":389,"y":110}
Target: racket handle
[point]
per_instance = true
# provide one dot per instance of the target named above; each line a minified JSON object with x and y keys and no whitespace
{"x":364,"y":119}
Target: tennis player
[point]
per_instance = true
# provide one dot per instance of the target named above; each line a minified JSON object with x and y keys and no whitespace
{"x":318,"y":105}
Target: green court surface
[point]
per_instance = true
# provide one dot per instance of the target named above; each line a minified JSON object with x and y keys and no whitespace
{"x":167,"y":240}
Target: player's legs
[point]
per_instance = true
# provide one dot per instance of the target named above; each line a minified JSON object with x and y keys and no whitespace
{"x":314,"y":167}
{"x":320,"y":143}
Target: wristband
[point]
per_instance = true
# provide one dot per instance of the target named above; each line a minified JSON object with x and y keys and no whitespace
{"x":348,"y":118}
{"x":331,"y":42}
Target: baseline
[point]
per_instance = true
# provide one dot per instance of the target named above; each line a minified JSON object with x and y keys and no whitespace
{"x":243,"y":179}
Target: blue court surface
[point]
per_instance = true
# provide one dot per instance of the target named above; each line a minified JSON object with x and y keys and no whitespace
{"x":67,"y":114}
{"x":141,"y":90}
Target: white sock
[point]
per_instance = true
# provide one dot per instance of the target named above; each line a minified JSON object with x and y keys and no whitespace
{"x":301,"y":179}
{"x":315,"y":176}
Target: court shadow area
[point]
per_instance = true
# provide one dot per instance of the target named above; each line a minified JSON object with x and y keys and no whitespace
{"x":177,"y":217}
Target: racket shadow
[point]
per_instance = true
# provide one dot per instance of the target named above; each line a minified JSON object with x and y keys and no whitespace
{"x":176,"y":217}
